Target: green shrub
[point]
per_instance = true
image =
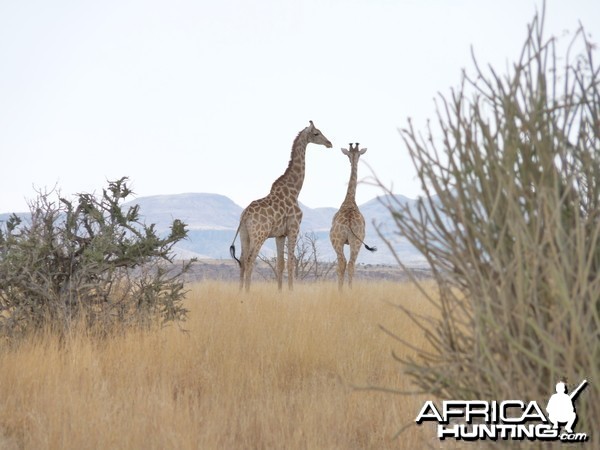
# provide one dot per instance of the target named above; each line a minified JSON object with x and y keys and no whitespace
{"x":88,"y":259}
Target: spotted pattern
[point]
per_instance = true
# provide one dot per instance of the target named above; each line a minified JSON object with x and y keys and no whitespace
{"x":277,"y":215}
{"x":348,"y":224}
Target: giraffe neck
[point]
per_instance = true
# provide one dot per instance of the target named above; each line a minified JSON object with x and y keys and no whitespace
{"x":292,"y":179}
{"x":350,"y":199}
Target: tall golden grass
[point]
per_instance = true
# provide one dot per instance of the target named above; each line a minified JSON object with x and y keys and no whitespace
{"x":258,"y":370}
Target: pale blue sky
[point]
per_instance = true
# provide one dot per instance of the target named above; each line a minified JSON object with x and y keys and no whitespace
{"x":207,"y":96}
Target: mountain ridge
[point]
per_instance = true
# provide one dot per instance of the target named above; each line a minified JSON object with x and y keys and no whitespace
{"x":212,"y":220}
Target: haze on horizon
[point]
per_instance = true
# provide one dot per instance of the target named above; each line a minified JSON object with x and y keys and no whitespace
{"x":208,"y":96}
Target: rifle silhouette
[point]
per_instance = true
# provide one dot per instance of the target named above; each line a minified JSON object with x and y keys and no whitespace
{"x":578,"y":389}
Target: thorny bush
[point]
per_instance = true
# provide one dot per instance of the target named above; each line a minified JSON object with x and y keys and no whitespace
{"x":90,"y":260}
{"x":510,"y":226}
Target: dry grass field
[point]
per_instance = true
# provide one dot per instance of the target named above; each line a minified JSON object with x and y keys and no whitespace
{"x":258,"y":370}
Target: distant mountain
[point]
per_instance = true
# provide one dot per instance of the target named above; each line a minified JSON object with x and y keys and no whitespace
{"x":376,"y":209}
{"x":198,"y":211}
{"x":316,"y":219}
{"x":212,"y":221}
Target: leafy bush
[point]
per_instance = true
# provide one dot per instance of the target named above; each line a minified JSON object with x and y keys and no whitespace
{"x":89,"y":260}
{"x":510,"y":226}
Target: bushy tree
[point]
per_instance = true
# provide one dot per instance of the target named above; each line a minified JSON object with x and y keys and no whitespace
{"x":89,"y":260}
{"x":308,"y":265}
{"x":510,"y":226}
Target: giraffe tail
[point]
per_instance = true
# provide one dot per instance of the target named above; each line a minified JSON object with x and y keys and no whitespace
{"x":232,"y":248}
{"x":232,"y":251}
{"x":371,"y":249}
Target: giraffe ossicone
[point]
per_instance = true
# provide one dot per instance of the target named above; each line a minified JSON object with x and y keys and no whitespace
{"x":278,"y":214}
{"x":348,"y":224}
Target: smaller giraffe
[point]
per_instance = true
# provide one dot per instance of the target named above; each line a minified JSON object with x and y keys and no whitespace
{"x":348,"y":225}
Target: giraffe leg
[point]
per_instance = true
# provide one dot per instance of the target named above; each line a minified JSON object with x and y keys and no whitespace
{"x":253,"y":249}
{"x":242,"y":272}
{"x":354,"y":249}
{"x":291,"y":257}
{"x":246,"y":273}
{"x":249,"y":268}
{"x":341,"y":265}
{"x":245,"y":244}
{"x":280,"y":241}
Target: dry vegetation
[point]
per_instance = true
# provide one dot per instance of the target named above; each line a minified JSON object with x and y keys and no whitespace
{"x":263,"y":370}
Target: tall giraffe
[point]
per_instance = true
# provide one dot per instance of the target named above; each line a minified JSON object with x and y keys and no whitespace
{"x":348,"y":225}
{"x":278,"y":214}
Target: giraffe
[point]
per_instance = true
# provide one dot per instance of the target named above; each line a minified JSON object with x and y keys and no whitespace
{"x":348,"y":225}
{"x":277,"y":215}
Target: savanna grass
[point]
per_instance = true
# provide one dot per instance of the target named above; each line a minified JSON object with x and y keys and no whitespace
{"x":258,"y":370}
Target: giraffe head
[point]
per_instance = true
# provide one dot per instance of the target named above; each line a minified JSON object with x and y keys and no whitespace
{"x":315,"y":136}
{"x":354,"y":153}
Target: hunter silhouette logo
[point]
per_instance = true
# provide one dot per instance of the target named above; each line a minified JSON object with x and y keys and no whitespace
{"x":472,"y":420}
{"x":560,"y":406}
